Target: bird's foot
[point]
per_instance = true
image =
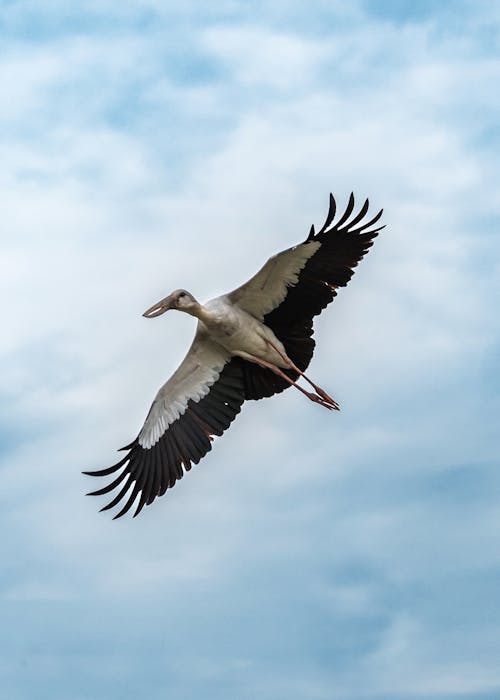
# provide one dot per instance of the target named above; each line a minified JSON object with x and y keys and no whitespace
{"x":326,"y":397}
{"x":322,"y":402}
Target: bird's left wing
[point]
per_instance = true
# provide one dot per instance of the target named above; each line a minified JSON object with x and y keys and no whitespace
{"x":268,"y":288}
{"x":200,"y":400}
{"x":297,"y":284}
{"x":313,"y":269}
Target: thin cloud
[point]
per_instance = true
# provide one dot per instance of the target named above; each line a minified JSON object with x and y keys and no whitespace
{"x":304,"y":547}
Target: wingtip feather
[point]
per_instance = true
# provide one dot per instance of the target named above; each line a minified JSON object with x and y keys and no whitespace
{"x":128,"y":447}
{"x":332,"y":210}
{"x":102,"y":472}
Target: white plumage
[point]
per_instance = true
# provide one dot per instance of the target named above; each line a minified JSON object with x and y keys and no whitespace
{"x":191,"y":381}
{"x":268,"y":288}
{"x":253,"y":342}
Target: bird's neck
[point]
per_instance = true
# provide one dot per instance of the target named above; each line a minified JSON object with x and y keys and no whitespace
{"x":199,"y":311}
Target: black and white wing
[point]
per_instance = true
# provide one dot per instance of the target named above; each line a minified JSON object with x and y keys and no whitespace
{"x":297,"y":284}
{"x":304,"y":279}
{"x":200,"y":400}
{"x":205,"y":394}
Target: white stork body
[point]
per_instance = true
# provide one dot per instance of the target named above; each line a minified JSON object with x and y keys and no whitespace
{"x":239,"y":332}
{"x":223,"y":331}
{"x":253,"y":342}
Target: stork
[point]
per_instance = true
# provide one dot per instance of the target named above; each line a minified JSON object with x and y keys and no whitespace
{"x":252,"y":343}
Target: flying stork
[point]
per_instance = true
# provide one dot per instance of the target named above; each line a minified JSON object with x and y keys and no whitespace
{"x":254,"y":342}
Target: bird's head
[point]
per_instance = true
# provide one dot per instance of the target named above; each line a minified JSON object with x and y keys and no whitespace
{"x":180,"y":300}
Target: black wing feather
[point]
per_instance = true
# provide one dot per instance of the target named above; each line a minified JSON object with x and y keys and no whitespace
{"x":343,"y":245}
{"x":152,"y":471}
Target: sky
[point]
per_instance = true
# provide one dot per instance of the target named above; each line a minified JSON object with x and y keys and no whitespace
{"x":146,"y":146}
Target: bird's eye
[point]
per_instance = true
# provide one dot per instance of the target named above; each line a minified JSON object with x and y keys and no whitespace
{"x":181,"y":295}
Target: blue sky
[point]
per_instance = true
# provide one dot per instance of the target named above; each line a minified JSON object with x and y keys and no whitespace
{"x":147,"y":146}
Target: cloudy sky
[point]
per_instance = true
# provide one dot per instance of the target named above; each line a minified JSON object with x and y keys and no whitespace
{"x":148,"y":145}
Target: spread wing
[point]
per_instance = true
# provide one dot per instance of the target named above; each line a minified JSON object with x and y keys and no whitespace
{"x":200,"y":400}
{"x":205,"y":394}
{"x":302,"y":280}
{"x":297,"y":284}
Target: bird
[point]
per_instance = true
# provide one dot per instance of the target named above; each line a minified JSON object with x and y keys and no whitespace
{"x":251,"y":343}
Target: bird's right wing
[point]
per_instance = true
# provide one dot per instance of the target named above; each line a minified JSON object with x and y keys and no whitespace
{"x":200,"y":400}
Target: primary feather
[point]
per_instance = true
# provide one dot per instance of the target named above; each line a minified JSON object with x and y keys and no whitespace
{"x":204,"y":395}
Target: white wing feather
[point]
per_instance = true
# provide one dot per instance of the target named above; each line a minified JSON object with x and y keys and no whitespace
{"x":268,"y":288}
{"x":192,"y":380}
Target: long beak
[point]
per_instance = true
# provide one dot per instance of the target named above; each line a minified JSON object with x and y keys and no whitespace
{"x":159,"y":308}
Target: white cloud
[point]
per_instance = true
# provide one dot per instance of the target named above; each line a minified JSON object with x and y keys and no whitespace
{"x":99,"y":224}
{"x":264,"y":58}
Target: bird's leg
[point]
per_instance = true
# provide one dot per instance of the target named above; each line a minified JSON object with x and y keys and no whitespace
{"x":268,"y":365}
{"x":321,"y":392}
